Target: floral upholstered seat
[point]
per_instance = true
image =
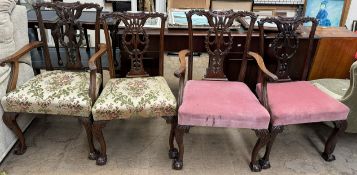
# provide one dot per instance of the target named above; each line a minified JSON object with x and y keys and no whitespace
{"x":72,"y":88}
{"x":142,"y":93}
{"x":53,"y":92}
{"x":135,"y":97}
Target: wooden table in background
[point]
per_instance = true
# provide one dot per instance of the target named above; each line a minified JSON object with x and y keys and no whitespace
{"x":334,"y":50}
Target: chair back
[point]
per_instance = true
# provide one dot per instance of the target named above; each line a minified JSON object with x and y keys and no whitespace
{"x":134,"y":37}
{"x":219,"y":40}
{"x":286,"y":42}
{"x":66,"y":31}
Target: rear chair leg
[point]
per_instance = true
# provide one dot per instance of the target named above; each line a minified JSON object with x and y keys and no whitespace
{"x":177,"y":163}
{"x":88,"y":123}
{"x":263,"y":138}
{"x":274,"y":131}
{"x":340,"y":127}
{"x":98,"y":134}
{"x":10,"y":121}
{"x":173,"y":152}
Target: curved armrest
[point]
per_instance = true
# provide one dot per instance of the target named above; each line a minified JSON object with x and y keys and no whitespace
{"x":93,"y":70}
{"x":14,"y":61}
{"x":261,"y":65}
{"x":180,"y":73}
{"x":92,"y":61}
{"x":352,"y":89}
{"x":17,"y":55}
{"x":182,"y":56}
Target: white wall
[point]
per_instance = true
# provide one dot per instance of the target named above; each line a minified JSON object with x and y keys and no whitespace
{"x":352,"y":14}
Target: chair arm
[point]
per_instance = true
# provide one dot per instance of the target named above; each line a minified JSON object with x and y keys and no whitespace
{"x":264,"y":94}
{"x":182,"y":69}
{"x":17,"y":55}
{"x":180,"y":73}
{"x":93,"y":70}
{"x":261,"y":65}
{"x":14,"y":61}
{"x":264,"y":81}
{"x":352,"y":89}
{"x":92,"y":61}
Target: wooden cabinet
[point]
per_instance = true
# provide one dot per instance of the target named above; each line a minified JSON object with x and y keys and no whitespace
{"x":334,"y":54}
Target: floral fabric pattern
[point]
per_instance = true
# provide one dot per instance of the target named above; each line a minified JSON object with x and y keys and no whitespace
{"x":135,"y":97}
{"x":53,"y":92}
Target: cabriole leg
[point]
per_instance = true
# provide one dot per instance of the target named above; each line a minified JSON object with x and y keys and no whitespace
{"x":263,"y":138}
{"x":173,"y":152}
{"x":177,"y":163}
{"x":10,"y":121}
{"x":274,"y":131}
{"x":88,"y":123}
{"x":98,"y":134}
{"x":340,"y":127}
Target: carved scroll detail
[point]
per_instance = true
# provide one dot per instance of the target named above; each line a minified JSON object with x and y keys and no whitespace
{"x":286,"y":41}
{"x":219,"y":39}
{"x":135,"y":40}
{"x":67,"y":26}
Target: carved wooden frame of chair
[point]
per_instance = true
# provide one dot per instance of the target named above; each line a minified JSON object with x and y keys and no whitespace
{"x":133,"y":25}
{"x":220,"y":23}
{"x":288,"y":36}
{"x":68,"y":13}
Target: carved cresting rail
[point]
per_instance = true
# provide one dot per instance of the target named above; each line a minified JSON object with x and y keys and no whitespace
{"x":219,"y":40}
{"x":135,"y":40}
{"x":286,"y":42}
{"x":66,"y":30}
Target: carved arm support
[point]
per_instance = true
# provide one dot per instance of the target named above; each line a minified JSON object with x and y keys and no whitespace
{"x":14,"y":61}
{"x":93,"y":70}
{"x":267,"y":74}
{"x":180,"y":73}
{"x":261,"y":65}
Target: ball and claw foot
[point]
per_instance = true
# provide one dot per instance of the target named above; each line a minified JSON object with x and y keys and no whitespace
{"x":93,"y":155}
{"x":20,"y":150}
{"x":177,"y":164}
{"x":255,"y":167}
{"x":264,"y":164}
{"x":101,"y":160}
{"x":173,"y":153}
{"x":328,"y":157}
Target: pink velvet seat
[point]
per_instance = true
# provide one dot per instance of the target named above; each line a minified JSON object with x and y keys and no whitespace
{"x":300,"y":102}
{"x":221,"y":104}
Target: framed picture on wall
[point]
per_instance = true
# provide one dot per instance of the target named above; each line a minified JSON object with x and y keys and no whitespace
{"x":328,"y":12}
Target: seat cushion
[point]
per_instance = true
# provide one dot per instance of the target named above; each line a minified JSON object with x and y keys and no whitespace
{"x":221,"y":104}
{"x":336,"y":88}
{"x":301,"y":102}
{"x":53,"y":92}
{"x":135,"y":97}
